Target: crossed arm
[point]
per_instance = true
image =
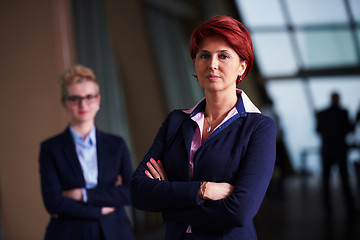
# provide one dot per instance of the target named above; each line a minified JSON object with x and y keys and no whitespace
{"x":60,"y":202}
{"x":207,"y":190}
{"x":77,"y":195}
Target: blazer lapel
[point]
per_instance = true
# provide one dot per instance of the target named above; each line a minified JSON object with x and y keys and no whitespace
{"x":102,"y":150}
{"x":71,"y":157}
{"x":188,"y":133}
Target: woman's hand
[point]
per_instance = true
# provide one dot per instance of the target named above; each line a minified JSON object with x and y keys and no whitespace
{"x":107,"y":210}
{"x":75,"y":194}
{"x":156,"y":170}
{"x":217,"y":191}
{"x":118,"y":181}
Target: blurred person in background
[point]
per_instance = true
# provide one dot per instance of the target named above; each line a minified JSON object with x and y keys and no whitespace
{"x":357,"y":146}
{"x":333,"y":125}
{"x":209,"y":167}
{"x":283,"y":167}
{"x":85,"y":173}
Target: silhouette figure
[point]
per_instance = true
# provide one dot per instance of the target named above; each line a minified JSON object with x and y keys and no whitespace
{"x":283,"y":167}
{"x":333,"y":125}
{"x":357,"y":145}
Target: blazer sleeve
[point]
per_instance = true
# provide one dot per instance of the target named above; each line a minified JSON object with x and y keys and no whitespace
{"x":251,"y":184}
{"x":150,"y":194}
{"x":106,"y":194}
{"x":51,"y":189}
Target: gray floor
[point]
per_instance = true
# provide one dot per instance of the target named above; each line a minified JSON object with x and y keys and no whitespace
{"x":296,"y":213}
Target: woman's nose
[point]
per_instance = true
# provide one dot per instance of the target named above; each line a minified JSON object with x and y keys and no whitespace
{"x":81,"y":102}
{"x":214,"y":63}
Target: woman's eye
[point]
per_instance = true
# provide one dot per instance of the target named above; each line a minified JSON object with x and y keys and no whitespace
{"x":224,"y":56}
{"x":204,"y":56}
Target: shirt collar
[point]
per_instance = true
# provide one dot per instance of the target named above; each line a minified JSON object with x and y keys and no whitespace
{"x":243,"y":106}
{"x":88,"y":141}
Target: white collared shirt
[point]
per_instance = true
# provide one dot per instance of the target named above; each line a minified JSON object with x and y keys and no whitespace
{"x":87,"y":155}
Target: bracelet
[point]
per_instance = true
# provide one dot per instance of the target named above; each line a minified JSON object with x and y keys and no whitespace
{"x":202,"y":189}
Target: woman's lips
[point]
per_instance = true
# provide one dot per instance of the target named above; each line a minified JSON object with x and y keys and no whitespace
{"x":212,"y":77}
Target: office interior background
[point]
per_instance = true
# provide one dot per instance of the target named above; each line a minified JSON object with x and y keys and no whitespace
{"x":304,"y":50}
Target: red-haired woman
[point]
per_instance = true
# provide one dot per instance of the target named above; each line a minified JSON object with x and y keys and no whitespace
{"x":208,"y":168}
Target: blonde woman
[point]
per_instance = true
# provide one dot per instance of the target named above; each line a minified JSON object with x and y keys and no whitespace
{"x":85,"y":173}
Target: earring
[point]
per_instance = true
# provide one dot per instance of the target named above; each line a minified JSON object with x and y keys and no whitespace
{"x":238,"y":79}
{"x":98,"y":108}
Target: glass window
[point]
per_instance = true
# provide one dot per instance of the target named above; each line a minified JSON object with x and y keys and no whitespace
{"x":274,"y":60}
{"x":289,"y":35}
{"x":296,"y":121}
{"x":317,"y":12}
{"x":347,"y":87}
{"x":355,"y":9}
{"x":261,"y":13}
{"x":326,"y":48}
{"x":297,"y":116}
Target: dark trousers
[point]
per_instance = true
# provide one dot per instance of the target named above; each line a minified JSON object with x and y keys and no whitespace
{"x":328,"y":161}
{"x":188,"y":236}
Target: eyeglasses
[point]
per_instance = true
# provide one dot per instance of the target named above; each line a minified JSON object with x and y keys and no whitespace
{"x":89,"y":99}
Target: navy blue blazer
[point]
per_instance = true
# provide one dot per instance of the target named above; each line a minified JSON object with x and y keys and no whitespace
{"x":333,"y":125}
{"x":242,"y":154}
{"x":60,"y":170}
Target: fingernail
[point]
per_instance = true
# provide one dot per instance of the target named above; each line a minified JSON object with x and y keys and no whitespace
{"x":146,"y":171}
{"x":148,"y":163}
{"x":151,"y":159}
{"x":158,"y":161}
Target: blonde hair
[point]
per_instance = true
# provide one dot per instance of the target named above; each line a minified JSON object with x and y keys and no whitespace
{"x":76,"y":74}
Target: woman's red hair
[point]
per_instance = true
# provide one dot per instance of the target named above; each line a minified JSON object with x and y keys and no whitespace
{"x":233,"y":31}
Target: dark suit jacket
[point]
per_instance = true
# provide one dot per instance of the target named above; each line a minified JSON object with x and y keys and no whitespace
{"x":333,"y":124}
{"x":242,"y":154}
{"x":60,"y":170}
